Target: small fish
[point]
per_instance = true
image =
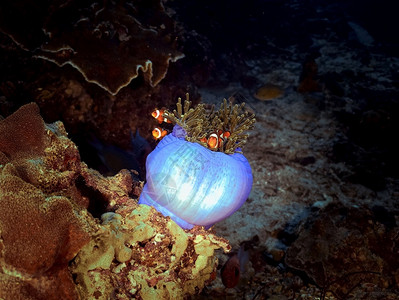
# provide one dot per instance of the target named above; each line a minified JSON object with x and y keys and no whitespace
{"x":226,"y":134}
{"x":234,"y":267}
{"x":231,"y":272}
{"x":269,"y":91}
{"x":158,"y":133}
{"x":158,"y":114}
{"x":216,"y":139}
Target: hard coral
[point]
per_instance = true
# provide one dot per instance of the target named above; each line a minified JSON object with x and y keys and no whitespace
{"x":141,"y":254}
{"x":21,"y":134}
{"x":108,"y":43}
{"x":42,"y":221}
{"x":48,"y":198}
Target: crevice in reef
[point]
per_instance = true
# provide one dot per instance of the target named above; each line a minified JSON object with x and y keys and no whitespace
{"x":97,"y":202}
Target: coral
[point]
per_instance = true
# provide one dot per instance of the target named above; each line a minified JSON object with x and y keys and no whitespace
{"x":43,"y":222}
{"x":141,"y":254}
{"x":29,"y":30}
{"x":21,"y":134}
{"x":108,"y":43}
{"x":49,"y":201}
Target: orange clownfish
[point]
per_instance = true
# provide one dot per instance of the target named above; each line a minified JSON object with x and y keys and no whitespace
{"x":216,"y":139}
{"x":159,"y":133}
{"x":158,"y":114}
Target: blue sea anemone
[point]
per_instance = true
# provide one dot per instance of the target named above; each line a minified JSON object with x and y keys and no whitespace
{"x":196,"y":182}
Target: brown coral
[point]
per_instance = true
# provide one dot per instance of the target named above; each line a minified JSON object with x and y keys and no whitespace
{"x":43,"y":223}
{"x":21,"y":134}
{"x":108,"y":43}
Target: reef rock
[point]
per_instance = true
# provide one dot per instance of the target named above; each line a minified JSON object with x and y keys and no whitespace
{"x":141,"y":254}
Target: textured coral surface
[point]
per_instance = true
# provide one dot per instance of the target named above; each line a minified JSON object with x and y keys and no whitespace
{"x":141,"y":254}
{"x":50,"y":205}
{"x":43,"y":223}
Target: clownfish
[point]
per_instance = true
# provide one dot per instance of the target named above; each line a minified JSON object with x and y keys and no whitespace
{"x":158,"y":114}
{"x":159,"y":133}
{"x":216,"y":139}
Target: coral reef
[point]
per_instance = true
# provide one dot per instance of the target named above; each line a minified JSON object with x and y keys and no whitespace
{"x":110,"y":43}
{"x":50,"y":203}
{"x":141,"y":254}
{"x":107,"y":43}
